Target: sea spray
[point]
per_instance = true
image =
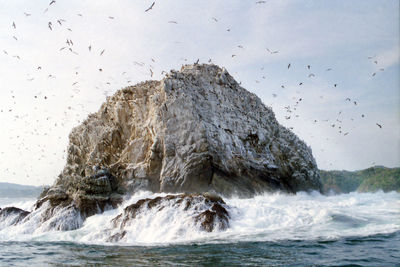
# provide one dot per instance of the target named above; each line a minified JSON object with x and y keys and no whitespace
{"x":22,"y":203}
{"x":267,"y":217}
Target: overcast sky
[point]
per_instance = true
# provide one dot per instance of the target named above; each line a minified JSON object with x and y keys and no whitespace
{"x":46,"y":88}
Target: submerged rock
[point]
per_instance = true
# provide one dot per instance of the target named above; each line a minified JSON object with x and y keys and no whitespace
{"x":12,"y":215}
{"x":197,"y":130}
{"x":207,"y":211}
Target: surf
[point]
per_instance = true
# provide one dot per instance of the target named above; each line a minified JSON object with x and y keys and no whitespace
{"x":266,"y":217}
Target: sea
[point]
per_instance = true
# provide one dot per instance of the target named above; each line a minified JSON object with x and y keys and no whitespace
{"x":274,"y":229}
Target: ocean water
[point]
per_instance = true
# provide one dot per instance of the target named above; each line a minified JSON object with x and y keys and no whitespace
{"x":307,"y":229}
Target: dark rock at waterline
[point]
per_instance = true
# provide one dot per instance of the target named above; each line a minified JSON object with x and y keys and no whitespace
{"x":15,"y":215}
{"x":89,"y":196}
{"x":217,"y":214}
{"x":209,"y":211}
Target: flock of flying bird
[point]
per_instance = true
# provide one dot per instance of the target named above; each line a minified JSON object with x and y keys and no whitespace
{"x":69,"y":46}
{"x":337,"y":122}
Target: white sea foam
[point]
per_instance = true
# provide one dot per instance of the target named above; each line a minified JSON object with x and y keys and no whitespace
{"x":22,"y":203}
{"x":263,"y":218}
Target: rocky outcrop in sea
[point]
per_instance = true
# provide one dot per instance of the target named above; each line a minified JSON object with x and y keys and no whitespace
{"x":12,"y":215}
{"x":207,"y":212}
{"x":196,"y":131}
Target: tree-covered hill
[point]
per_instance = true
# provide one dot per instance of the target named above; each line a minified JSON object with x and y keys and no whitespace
{"x":368,"y":180}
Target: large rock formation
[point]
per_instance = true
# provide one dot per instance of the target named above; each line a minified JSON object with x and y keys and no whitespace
{"x":196,"y":130}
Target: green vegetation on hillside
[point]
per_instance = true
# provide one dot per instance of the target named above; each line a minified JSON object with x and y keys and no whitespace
{"x":368,"y":180}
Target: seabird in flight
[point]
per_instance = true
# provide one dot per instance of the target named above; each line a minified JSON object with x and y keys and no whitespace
{"x":151,"y":7}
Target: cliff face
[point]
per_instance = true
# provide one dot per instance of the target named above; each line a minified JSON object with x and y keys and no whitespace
{"x":196,"y":130}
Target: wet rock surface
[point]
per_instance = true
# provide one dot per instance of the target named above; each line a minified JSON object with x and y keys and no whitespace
{"x":88,"y":196}
{"x":208,"y":211}
{"x":13,"y":215}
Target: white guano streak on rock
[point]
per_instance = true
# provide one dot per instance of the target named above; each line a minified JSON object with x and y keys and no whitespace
{"x":196,"y":130}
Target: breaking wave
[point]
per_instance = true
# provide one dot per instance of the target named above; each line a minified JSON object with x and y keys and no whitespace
{"x":268,"y":217}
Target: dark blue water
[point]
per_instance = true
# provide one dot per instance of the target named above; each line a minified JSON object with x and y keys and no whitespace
{"x":376,"y":250}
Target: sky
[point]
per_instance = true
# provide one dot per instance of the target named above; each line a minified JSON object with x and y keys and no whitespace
{"x":48,"y":85}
